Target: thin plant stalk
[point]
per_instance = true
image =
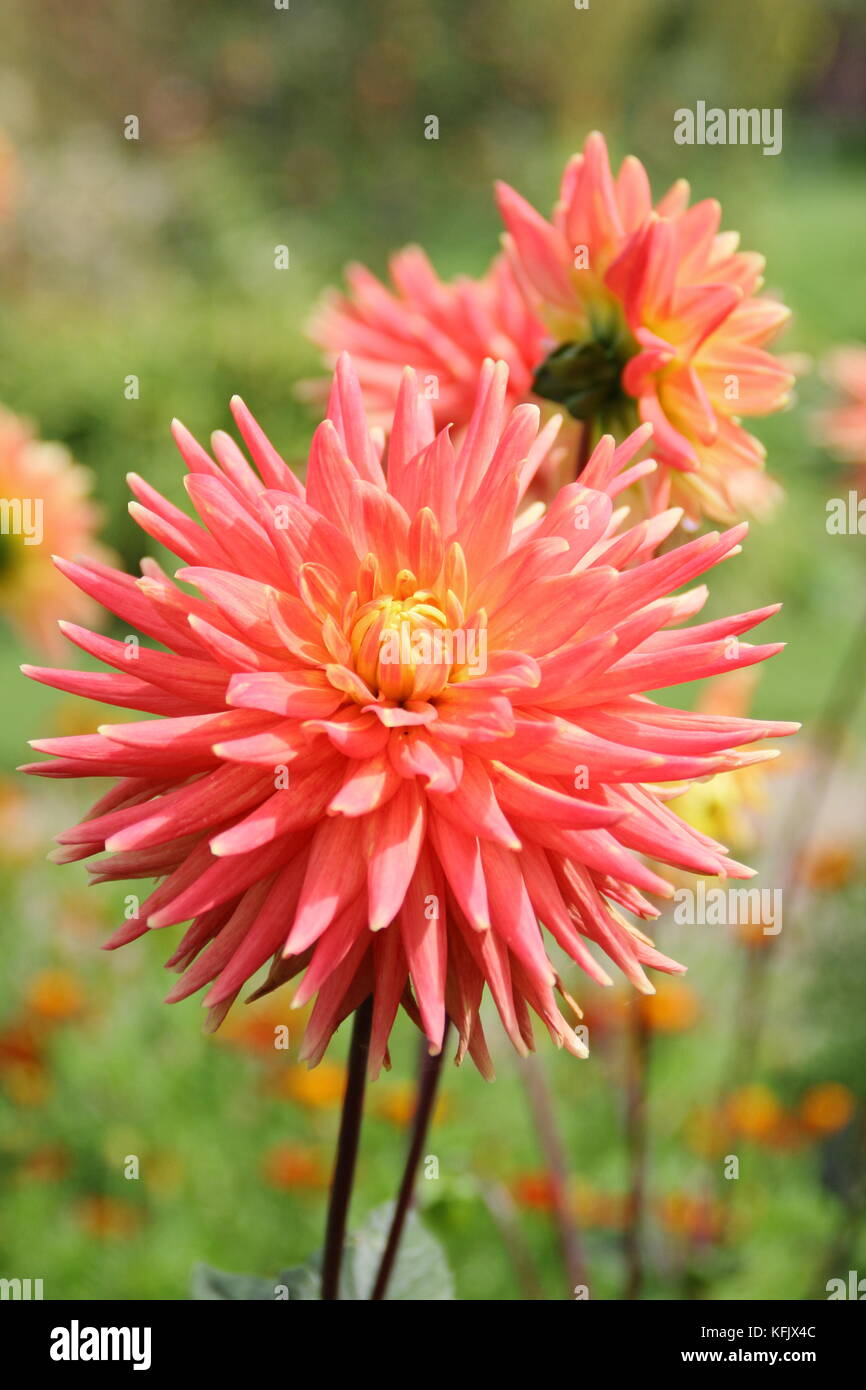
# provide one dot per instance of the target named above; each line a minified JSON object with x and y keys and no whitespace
{"x":637,"y":1145}
{"x":429,"y":1072}
{"x":503,"y":1212}
{"x":584,"y":448}
{"x":347,"y":1151}
{"x":556,"y":1164}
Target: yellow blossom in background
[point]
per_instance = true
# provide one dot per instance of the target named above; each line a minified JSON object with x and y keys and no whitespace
{"x":827,"y":867}
{"x":826,"y":1108}
{"x":319,"y":1089}
{"x":54,"y":996}
{"x":396,"y":1104}
{"x":673,"y":1008}
{"x":754,"y":1111}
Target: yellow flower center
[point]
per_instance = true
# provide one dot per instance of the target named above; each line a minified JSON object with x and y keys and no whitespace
{"x":401,"y":643}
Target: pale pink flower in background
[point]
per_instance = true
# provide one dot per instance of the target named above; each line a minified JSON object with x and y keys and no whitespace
{"x":400,"y":826}
{"x":443,"y":329}
{"x":47,"y":509}
{"x":842,"y":428}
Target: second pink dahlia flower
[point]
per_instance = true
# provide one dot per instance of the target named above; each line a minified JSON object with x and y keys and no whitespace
{"x":618,"y":309}
{"x":652,"y":310}
{"x":400,"y":721}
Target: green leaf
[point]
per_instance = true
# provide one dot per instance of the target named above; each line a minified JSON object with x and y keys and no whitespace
{"x":208,"y":1283}
{"x":420,"y":1272}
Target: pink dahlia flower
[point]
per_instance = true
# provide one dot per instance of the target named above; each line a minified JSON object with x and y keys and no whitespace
{"x":652,"y":309}
{"x":618,"y":310}
{"x":444,"y":330}
{"x":842,"y":429}
{"x":402,"y":721}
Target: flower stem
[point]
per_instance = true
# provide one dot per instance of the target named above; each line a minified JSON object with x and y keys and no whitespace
{"x":503,"y":1212}
{"x":553,"y":1149}
{"x":636,"y":1143}
{"x":347,"y":1151}
{"x":428,"y":1080}
{"x":584,"y":448}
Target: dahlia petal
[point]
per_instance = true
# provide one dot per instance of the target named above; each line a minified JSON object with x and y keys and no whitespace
{"x":540,"y":619}
{"x":126,"y":692}
{"x":220,"y":880}
{"x":525,"y":797}
{"x":548,"y":904}
{"x":192,"y":736}
{"x":197,"y":459}
{"x":426,"y":548}
{"x":680,"y":664}
{"x":492,"y":959}
{"x":274,"y":469}
{"x":472,"y":806}
{"x":301,"y":694}
{"x":511,"y":910}
{"x":358,"y":734}
{"x":121,"y":595}
{"x":483,"y":432}
{"x":300,"y":803}
{"x":368,"y":785}
{"x":460,"y":858}
{"x":391,"y":973}
{"x":331,"y":950}
{"x":345,"y":989}
{"x":335,"y":874}
{"x":428,"y":479}
{"x":275,"y":746}
{"x":422,"y":928}
{"x":394,"y":835}
{"x":173,"y":529}
{"x":197,"y":806}
{"x":190,"y":679}
{"x":244,"y":602}
{"x":246,"y":543}
{"x":346,"y":410}
{"x":539,"y":248}
{"x":220,"y":951}
{"x":418,"y":754}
